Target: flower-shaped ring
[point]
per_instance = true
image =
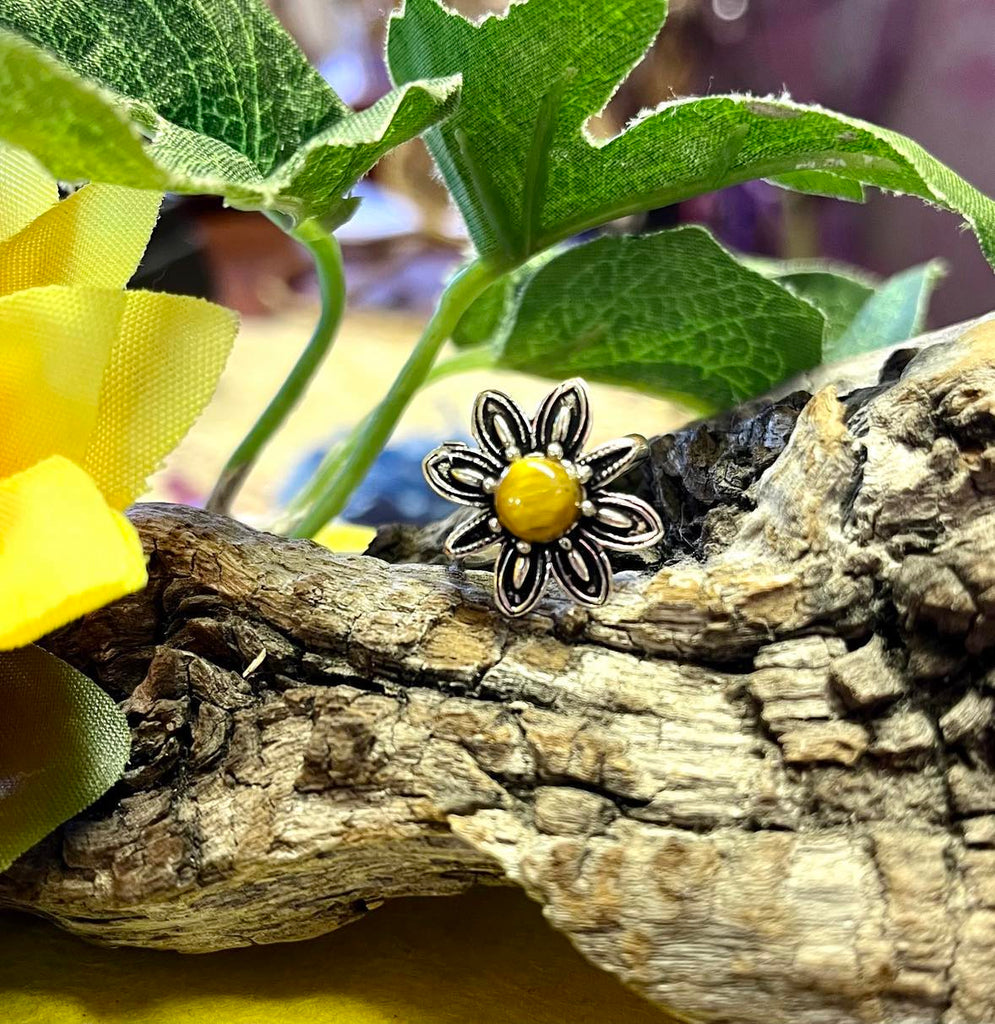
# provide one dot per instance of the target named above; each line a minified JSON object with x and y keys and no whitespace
{"x":542,"y":500}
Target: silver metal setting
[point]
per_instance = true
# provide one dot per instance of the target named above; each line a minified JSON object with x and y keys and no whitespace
{"x":473,"y":534}
{"x":473,"y":477}
{"x":579,"y":566}
{"x":606,"y":520}
{"x":613,"y":517}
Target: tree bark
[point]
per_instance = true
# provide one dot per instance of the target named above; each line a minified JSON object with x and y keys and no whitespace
{"x":758,"y":785}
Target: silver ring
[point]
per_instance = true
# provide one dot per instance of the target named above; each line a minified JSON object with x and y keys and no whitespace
{"x":544,"y":502}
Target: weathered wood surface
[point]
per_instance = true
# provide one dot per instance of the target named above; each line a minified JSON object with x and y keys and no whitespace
{"x":758,"y":785}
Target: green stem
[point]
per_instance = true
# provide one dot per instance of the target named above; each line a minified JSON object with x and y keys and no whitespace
{"x":480,"y":357}
{"x":353,"y":462}
{"x":319,"y":482}
{"x":331,"y":284}
{"x":477,"y":358}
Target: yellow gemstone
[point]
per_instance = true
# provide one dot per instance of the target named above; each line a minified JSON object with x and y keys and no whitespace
{"x":537,"y":499}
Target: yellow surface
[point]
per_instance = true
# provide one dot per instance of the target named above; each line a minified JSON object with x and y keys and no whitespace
{"x":484,"y":958}
{"x":337,"y":536}
{"x":63,"y":553}
{"x":537,"y":499}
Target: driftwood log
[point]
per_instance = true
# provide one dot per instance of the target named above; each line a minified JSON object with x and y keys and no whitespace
{"x":759,"y":785}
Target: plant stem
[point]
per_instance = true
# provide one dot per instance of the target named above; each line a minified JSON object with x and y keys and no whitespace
{"x":331,"y":284}
{"x":320,"y":481}
{"x":353,"y":462}
{"x":480,"y":357}
{"x":477,"y":358}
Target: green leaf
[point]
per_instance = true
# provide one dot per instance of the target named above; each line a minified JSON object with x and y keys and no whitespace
{"x":821,"y":183}
{"x":862,"y":312}
{"x":481,"y":322}
{"x":525,"y":173}
{"x":838,"y":297}
{"x":224,"y":99}
{"x":87,"y":134}
{"x":63,"y":743}
{"x":483,"y":319}
{"x":894,"y":312}
{"x":837,"y":290}
{"x":531,"y":78}
{"x":671,"y":313}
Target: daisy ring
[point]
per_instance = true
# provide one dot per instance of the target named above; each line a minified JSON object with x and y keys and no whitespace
{"x":540,"y":499}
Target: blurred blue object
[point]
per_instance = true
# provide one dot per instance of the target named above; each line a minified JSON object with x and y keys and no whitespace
{"x":383,"y":213}
{"x":345,"y":71}
{"x":351,"y":68}
{"x":394,"y":490}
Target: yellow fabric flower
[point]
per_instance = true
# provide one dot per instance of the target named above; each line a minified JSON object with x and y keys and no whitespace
{"x":97,"y":385}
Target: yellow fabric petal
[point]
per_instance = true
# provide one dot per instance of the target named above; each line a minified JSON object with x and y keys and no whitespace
{"x":27,"y":190}
{"x":96,"y":237}
{"x":109,"y":379}
{"x":63,"y":551}
{"x":163,"y":370}
{"x":55,"y":345}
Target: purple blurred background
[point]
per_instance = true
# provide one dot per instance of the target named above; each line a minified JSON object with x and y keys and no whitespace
{"x":922,"y":67}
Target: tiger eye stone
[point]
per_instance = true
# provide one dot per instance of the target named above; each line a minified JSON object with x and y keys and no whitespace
{"x":537,"y":499}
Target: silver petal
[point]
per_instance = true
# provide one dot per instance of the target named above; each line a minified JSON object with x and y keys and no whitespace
{"x":520,"y":572}
{"x":623,"y":523}
{"x":564,"y":419}
{"x":457,"y":473}
{"x":499,"y":426}
{"x":583,"y":571}
{"x":473,"y":534}
{"x":576,"y":559}
{"x":520,"y":579}
{"x":471,"y":477}
{"x":611,"y":460}
{"x":614,"y":518}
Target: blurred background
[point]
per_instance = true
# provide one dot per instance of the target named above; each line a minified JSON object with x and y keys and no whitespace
{"x":922,"y":67}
